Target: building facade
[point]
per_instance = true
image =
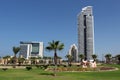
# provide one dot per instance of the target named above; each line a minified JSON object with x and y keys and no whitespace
{"x":31,"y":49}
{"x":86,"y":32}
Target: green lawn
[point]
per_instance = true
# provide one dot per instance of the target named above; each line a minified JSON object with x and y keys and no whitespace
{"x":37,"y":74}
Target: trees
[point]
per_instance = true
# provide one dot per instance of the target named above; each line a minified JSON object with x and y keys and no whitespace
{"x":21,"y":60}
{"x":118,"y":57}
{"x":69,"y":57}
{"x":108,"y":57}
{"x":55,"y":46}
{"x":33,"y":60}
{"x":6,"y":59}
{"x":15,"y":50}
{"x":81,"y":56}
{"x":59,"y":59}
{"x":94,"y":56}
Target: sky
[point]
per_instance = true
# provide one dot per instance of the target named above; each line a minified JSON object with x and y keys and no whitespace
{"x":47,"y":20}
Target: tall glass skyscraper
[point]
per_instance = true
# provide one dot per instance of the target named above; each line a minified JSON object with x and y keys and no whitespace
{"x":86,"y":32}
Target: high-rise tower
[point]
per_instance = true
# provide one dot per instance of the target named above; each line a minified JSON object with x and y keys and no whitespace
{"x":86,"y":32}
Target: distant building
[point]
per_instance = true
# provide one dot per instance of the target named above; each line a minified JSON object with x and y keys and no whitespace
{"x":86,"y":32}
{"x":73,"y":51}
{"x":31,"y":49}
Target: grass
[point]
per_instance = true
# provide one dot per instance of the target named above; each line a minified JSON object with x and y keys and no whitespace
{"x":37,"y":74}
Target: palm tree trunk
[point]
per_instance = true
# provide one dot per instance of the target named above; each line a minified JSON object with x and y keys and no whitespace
{"x":15,"y":59}
{"x":55,"y":61}
{"x":14,"y":65}
{"x":118,"y":60}
{"x":81,"y":62}
{"x":55,"y":58}
{"x":70,"y":63}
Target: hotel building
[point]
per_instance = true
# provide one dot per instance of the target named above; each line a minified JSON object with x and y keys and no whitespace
{"x":86,"y":32}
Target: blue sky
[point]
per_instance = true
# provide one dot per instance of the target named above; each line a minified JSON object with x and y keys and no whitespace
{"x":47,"y":20}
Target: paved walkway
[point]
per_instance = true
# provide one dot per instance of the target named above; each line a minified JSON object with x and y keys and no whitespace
{"x":12,"y":66}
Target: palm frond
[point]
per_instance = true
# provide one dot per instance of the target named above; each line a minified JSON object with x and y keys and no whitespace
{"x":61,"y":46}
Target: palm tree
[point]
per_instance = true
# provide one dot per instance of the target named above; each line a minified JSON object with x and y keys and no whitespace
{"x":54,"y":46}
{"x":15,"y":50}
{"x":21,"y":60}
{"x":69,"y":57}
{"x":108,"y":57}
{"x":94,"y":56}
{"x":6,"y":59}
{"x":33,"y":60}
{"x":81,"y":56}
{"x":59,"y":59}
{"x":118,"y":57}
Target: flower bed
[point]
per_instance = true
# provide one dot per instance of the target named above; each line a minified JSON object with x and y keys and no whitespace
{"x":106,"y":68}
{"x":79,"y":69}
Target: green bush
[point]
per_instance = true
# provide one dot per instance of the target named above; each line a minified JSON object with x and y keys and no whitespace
{"x":28,"y":68}
{"x":38,"y":66}
{"x":4,"y":69}
{"x":45,"y":66}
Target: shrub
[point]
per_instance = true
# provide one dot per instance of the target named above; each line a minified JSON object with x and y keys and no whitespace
{"x":42,"y":67}
{"x":38,"y":66}
{"x":4,"y":69}
{"x":64,"y":65}
{"x":28,"y":68}
{"x":45,"y":66}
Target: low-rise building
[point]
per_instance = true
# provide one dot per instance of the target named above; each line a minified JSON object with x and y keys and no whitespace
{"x":31,"y":49}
